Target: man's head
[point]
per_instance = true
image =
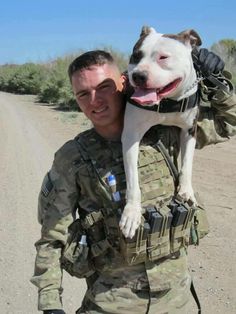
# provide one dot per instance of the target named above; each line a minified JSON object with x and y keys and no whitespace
{"x":88,"y":59}
{"x":97,"y":84}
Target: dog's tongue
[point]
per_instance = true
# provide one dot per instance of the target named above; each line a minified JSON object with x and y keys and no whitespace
{"x":145,"y":96}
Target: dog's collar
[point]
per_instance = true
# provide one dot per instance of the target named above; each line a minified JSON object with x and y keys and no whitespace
{"x":169,"y":105}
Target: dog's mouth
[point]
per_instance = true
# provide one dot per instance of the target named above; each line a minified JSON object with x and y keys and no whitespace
{"x":151,"y":96}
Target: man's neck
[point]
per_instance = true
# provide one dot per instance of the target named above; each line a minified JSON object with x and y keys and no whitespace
{"x":112,"y":134}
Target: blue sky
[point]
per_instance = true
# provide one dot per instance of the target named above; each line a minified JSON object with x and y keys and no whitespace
{"x":38,"y":31}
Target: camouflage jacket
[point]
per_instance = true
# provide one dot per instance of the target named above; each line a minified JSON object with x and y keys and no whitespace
{"x":60,"y":198}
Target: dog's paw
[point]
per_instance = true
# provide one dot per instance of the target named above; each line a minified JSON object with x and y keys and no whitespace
{"x":130,"y":220}
{"x":187,"y":194}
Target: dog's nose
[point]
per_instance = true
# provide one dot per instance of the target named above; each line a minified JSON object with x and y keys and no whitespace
{"x":140,"y":78}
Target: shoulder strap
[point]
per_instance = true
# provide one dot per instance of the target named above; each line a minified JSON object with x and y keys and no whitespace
{"x":169,"y":161}
{"x":81,"y":143}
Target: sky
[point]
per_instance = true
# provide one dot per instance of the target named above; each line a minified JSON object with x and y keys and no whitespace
{"x":42,"y":30}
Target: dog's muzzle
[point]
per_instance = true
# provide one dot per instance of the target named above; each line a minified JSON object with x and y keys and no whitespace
{"x":140,"y":78}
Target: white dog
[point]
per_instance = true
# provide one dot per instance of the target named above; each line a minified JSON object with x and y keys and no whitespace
{"x":160,"y":67}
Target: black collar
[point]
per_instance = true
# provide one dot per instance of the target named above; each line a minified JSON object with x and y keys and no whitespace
{"x":169,"y":105}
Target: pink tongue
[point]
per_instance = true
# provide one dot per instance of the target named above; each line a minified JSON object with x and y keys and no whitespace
{"x":145,"y":96}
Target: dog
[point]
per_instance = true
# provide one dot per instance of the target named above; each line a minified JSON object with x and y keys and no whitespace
{"x":160,"y":68}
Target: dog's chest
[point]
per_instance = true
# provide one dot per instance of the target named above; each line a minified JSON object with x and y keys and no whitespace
{"x":181,"y":119}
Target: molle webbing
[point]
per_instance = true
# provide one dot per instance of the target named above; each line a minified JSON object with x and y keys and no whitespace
{"x":102,"y":157}
{"x":155,"y":238}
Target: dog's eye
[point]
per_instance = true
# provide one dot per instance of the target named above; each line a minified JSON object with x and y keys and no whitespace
{"x":136,"y":57}
{"x":163,"y":57}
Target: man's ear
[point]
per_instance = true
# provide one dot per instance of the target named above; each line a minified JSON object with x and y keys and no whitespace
{"x":127,"y":87}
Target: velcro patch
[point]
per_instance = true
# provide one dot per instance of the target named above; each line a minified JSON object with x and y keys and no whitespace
{"x":46,"y":186}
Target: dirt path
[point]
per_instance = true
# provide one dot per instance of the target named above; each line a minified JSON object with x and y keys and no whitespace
{"x":30,"y":134}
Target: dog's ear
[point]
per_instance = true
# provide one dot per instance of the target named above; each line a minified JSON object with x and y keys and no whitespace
{"x":145,"y":31}
{"x":188,"y":37}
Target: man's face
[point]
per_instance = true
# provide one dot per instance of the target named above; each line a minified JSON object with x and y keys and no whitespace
{"x":98,"y":92}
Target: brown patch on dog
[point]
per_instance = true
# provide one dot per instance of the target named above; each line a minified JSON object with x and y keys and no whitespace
{"x":145,"y":31}
{"x":189,"y":35}
{"x":137,"y":53}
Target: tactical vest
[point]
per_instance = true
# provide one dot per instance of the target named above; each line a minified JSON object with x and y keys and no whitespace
{"x":165,"y":226}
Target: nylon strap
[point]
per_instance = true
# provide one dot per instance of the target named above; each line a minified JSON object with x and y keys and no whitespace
{"x":194,"y":294}
{"x":169,"y":161}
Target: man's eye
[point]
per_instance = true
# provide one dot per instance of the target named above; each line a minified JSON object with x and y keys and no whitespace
{"x":82,"y":95}
{"x":104,"y":87}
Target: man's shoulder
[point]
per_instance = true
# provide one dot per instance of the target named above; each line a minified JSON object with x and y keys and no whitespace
{"x":70,"y":150}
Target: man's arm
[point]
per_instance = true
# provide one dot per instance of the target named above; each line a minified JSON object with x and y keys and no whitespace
{"x":57,"y":202}
{"x":217,"y":118}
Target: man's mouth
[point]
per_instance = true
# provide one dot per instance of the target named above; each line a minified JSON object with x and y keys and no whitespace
{"x":97,"y":111}
{"x":150,"y":96}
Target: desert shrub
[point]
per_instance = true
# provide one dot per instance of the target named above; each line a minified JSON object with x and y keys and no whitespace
{"x":56,"y":88}
{"x":22,"y":79}
{"x":7,"y":72}
{"x":226,"y":49}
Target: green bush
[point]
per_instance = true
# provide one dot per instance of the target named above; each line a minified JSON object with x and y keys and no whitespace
{"x":6,"y":74}
{"x":22,"y":79}
{"x":56,"y":88}
{"x":226,"y":49}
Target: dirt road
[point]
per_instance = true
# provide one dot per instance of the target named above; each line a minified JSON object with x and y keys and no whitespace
{"x":30,"y":134}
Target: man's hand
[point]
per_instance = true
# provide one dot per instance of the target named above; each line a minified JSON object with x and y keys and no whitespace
{"x":54,"y":312}
{"x":207,"y":62}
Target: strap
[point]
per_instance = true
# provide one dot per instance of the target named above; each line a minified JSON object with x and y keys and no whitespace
{"x":82,"y":146}
{"x":92,"y":218}
{"x":169,"y":161}
{"x":194,"y":294}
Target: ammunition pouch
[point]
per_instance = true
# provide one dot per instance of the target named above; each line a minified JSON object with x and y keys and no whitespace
{"x":75,"y":259}
{"x":162,"y":232}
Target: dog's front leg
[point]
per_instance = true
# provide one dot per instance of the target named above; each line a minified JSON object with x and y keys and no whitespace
{"x":131,"y":215}
{"x":136,"y":122}
{"x":187,"y":142}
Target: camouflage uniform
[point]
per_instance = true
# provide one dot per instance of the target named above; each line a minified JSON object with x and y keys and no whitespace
{"x":161,"y":286}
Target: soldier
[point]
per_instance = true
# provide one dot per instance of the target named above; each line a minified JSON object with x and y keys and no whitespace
{"x":87,"y":178}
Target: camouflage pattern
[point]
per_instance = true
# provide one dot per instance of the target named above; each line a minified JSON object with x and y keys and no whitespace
{"x":216,"y":122}
{"x":71,"y":184}
{"x":162,"y":287}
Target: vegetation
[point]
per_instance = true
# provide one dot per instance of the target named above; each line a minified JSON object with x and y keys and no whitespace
{"x":22,"y":79}
{"x":49,"y":81}
{"x":226,"y":48}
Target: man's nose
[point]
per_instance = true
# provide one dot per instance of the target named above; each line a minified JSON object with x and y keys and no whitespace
{"x":94,"y":99}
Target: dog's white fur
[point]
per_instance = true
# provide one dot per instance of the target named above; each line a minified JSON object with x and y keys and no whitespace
{"x":161,"y":71}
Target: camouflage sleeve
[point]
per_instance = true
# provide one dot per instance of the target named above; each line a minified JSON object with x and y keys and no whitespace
{"x":57,"y":202}
{"x":217,"y":120}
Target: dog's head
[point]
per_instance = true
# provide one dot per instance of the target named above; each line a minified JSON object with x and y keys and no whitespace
{"x":161,"y":65}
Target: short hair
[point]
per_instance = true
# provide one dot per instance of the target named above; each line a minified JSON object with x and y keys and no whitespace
{"x":89,"y":58}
